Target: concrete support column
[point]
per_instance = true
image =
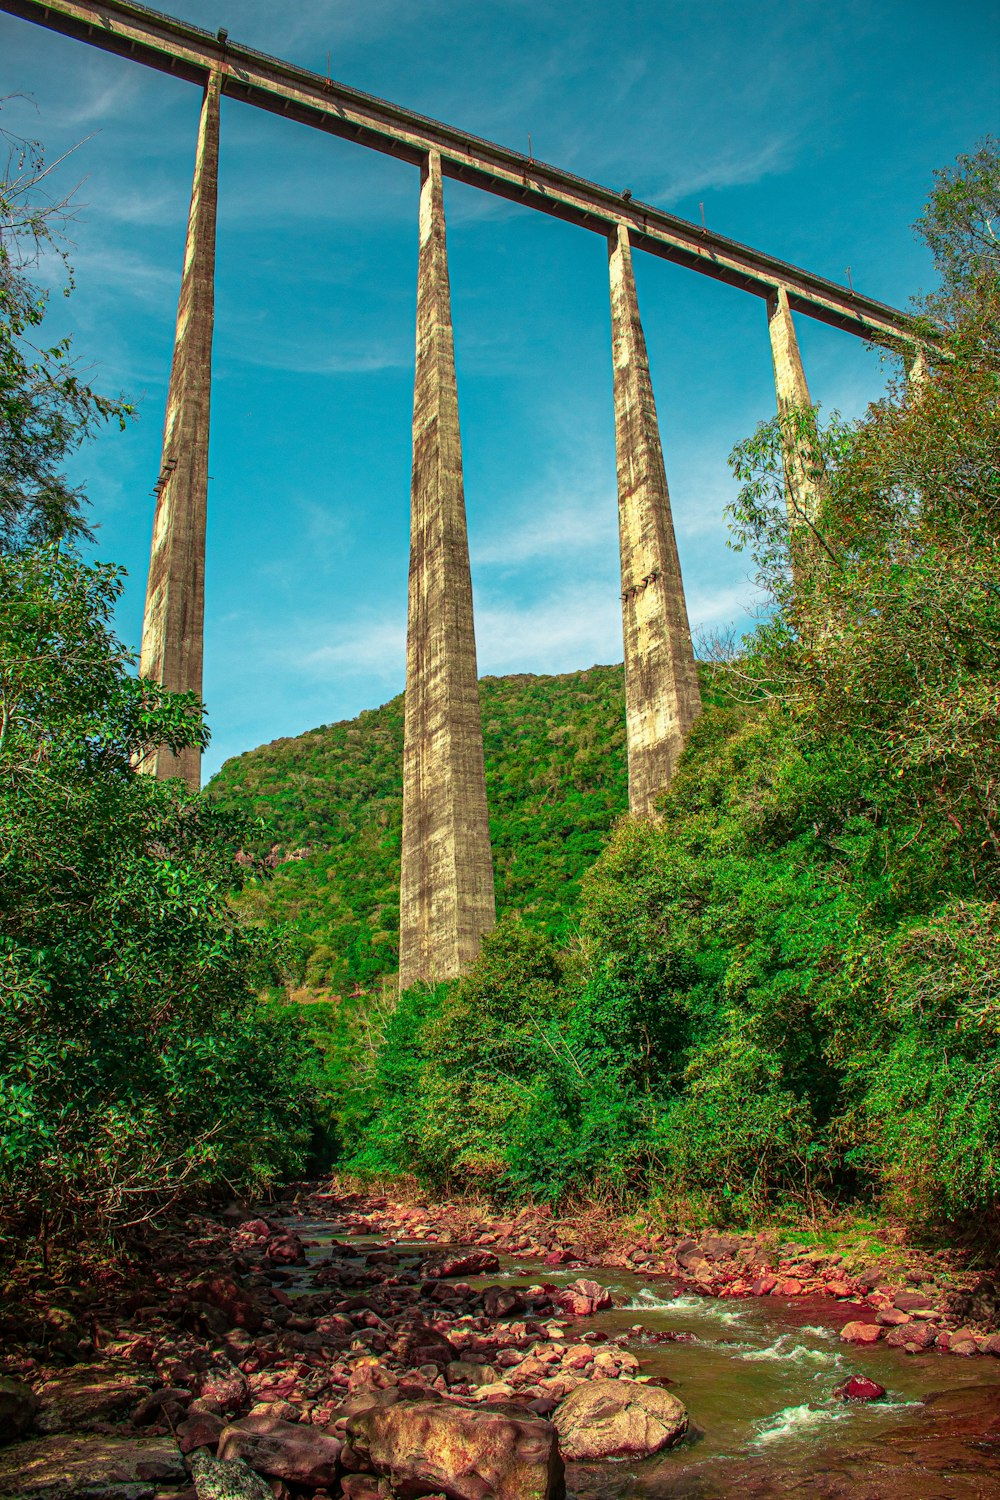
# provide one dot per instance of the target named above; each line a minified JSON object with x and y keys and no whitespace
{"x":915,"y":360}
{"x":805,"y":484}
{"x":446,"y":880}
{"x":662,"y":697}
{"x":173,"y":628}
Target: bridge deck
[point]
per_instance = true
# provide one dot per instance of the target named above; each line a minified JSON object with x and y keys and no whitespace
{"x":174,"y":46}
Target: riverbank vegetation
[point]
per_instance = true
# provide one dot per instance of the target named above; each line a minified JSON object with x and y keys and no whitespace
{"x":781,"y":995}
{"x":786,"y":990}
{"x":137,"y":1060}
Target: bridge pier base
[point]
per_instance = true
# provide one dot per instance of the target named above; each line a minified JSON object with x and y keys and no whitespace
{"x":446,"y":877}
{"x":662,"y":696}
{"x":173,"y":626}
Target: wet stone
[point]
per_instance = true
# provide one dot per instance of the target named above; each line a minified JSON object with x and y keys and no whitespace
{"x":86,"y":1395}
{"x":67,"y":1465}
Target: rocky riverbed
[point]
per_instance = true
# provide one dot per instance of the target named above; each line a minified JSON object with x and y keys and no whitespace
{"x":365,"y":1347}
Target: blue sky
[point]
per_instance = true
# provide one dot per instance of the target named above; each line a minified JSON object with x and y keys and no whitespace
{"x":807,"y":130}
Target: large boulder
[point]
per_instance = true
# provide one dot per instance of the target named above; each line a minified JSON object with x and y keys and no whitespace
{"x":618,"y":1419}
{"x":295,"y":1451}
{"x":582,"y":1298}
{"x":18,"y":1404}
{"x":461,"y":1263}
{"x":89,"y":1464}
{"x":499,"y":1453}
{"x":85,"y":1395}
{"x":199,"y":1429}
{"x":857,"y":1332}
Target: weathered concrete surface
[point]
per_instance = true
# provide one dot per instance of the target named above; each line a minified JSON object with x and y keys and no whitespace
{"x":917,"y":370}
{"x":446,"y":880}
{"x":805,"y":483}
{"x":173,"y":628}
{"x":662,"y":697}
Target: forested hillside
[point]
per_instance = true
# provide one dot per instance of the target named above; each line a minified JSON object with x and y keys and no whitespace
{"x":783,"y":992}
{"x":556,"y":781}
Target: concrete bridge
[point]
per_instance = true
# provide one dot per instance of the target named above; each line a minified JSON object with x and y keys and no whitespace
{"x":446,"y":895}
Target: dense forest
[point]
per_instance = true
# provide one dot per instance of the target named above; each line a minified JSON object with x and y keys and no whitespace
{"x":779,"y":996}
{"x":329,"y":810}
{"x":333,"y":798}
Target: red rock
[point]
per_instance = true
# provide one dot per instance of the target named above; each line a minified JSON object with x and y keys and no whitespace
{"x":912,"y":1337}
{"x":558,"y":1258}
{"x":991,"y":1345}
{"x":223,"y":1293}
{"x":908,"y":1301}
{"x":861,"y":1333}
{"x":582,"y":1298}
{"x":788,"y":1288}
{"x":504,"y":1453}
{"x":860,"y":1388}
{"x":199,"y":1429}
{"x":363,"y":1487}
{"x":763,"y":1286}
{"x":224,"y":1385}
{"x":466,"y":1263}
{"x":169,"y":1399}
{"x":419,"y":1344}
{"x":285,"y":1250}
{"x":283,"y":1450}
{"x":838,"y":1288}
{"x":256,"y":1229}
{"x":891,"y":1317}
{"x":85,"y":1396}
{"x":502,"y":1301}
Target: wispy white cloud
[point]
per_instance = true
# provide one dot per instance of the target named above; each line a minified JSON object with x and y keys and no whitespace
{"x":354,"y":357}
{"x":553,"y":523}
{"x":369,"y":647}
{"x":736,"y":165}
{"x":128,"y":271}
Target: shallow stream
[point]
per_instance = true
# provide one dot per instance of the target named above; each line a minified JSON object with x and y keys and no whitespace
{"x":758,"y":1378}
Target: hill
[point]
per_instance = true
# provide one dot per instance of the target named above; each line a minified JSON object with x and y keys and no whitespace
{"x":556,"y":781}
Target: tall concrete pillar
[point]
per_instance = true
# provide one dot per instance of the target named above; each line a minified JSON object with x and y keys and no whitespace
{"x":446,"y":898}
{"x":173,"y":628}
{"x":915,"y":361}
{"x":805,"y":484}
{"x":662,"y":697}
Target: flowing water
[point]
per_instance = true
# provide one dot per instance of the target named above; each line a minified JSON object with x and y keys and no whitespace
{"x":758,"y":1379}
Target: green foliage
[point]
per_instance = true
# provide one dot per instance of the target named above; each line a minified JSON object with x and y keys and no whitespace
{"x":785,"y":989}
{"x":46,"y":408}
{"x":556,"y":780}
{"x":960,"y":228}
{"x":135,"y":1057}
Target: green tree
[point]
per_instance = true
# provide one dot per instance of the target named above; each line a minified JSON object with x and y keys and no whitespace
{"x":137,"y":1060}
{"x":785,"y":989}
{"x":46,"y":408}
